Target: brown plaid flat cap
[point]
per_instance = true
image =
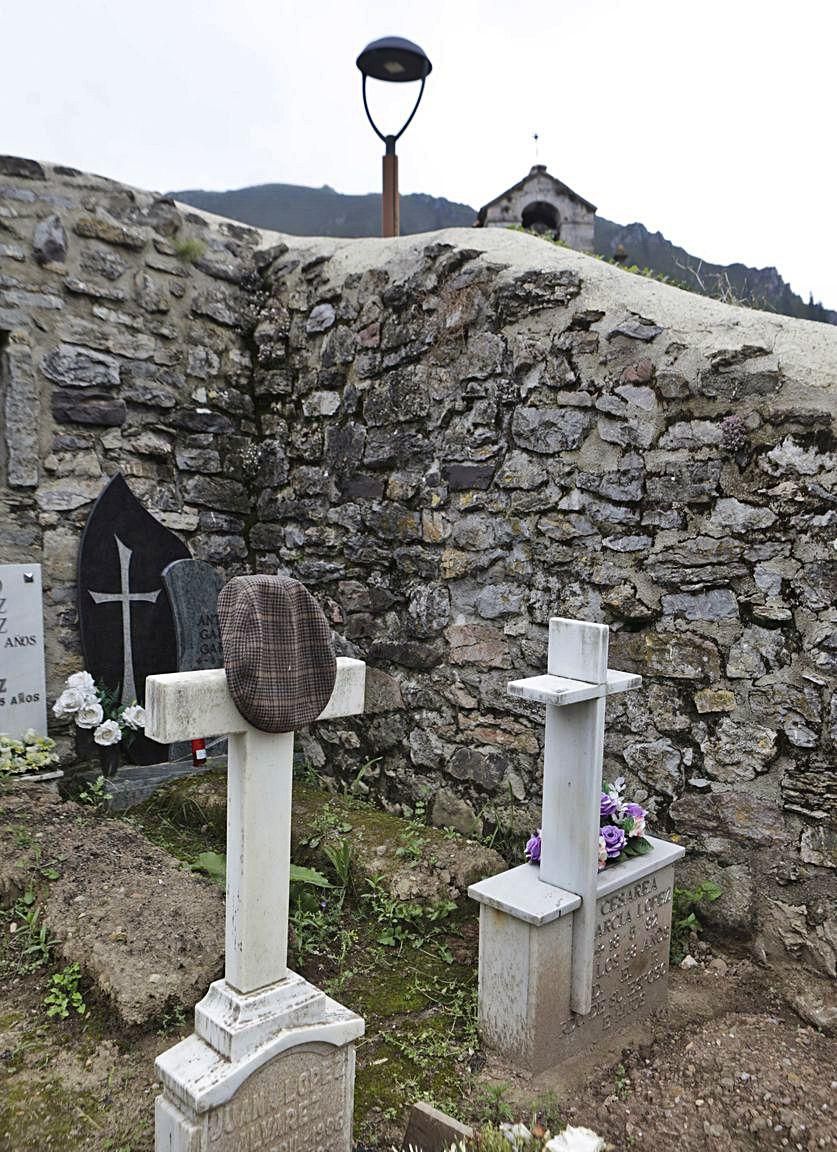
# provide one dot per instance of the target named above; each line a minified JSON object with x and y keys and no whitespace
{"x":278,"y":654}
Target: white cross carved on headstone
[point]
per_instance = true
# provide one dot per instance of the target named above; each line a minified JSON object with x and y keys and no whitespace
{"x":187,"y":705}
{"x":126,"y":598}
{"x":574,"y":690}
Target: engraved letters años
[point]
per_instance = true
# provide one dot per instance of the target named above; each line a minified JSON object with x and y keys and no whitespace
{"x":11,"y":641}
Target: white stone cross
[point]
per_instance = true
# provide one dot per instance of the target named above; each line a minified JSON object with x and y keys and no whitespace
{"x":188,"y":705}
{"x":574,"y":690}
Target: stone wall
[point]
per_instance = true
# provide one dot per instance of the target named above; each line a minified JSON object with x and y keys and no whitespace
{"x":480,"y":430}
{"x":120,"y":349}
{"x":450,"y":438}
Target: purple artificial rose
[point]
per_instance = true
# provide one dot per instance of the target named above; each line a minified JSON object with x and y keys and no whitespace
{"x":614,"y":839}
{"x":608,"y":806}
{"x":637,"y":813}
{"x":533,"y":848}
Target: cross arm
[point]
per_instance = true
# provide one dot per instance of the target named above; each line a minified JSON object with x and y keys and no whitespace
{"x":189,"y":705}
{"x":560,"y":690}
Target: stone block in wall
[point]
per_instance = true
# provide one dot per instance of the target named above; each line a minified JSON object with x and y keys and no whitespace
{"x":674,"y":656}
{"x":21,"y":413}
{"x":548,"y":430}
{"x":110,"y":231}
{"x":741,"y":818}
{"x":75,"y":367}
{"x":690,"y":482}
{"x":49,"y":241}
{"x":71,"y":407}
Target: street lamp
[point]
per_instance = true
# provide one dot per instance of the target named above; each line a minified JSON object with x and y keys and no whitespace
{"x":396,"y":61}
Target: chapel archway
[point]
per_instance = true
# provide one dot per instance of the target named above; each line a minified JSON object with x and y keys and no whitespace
{"x":541,"y":216}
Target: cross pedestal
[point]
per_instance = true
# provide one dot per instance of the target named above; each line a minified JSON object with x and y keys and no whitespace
{"x":271,"y":1061}
{"x":566,"y":952}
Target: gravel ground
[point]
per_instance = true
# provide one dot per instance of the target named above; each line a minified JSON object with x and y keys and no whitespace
{"x":737,"y":1083}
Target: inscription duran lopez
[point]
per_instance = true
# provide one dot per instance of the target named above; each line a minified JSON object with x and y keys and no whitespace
{"x":630,"y":959}
{"x":298,"y":1103}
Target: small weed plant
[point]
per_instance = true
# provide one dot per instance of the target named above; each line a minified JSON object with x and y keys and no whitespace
{"x":173,"y":1020}
{"x":339,"y":856}
{"x":494,"y":1106}
{"x":64,"y":995}
{"x":29,"y":943}
{"x":403,"y":921}
{"x":621,"y":1082}
{"x":189,"y":249}
{"x":94,"y":794}
{"x":684,"y":918}
{"x":412,"y":843}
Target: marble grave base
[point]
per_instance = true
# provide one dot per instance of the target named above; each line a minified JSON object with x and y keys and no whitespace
{"x":526,"y":930}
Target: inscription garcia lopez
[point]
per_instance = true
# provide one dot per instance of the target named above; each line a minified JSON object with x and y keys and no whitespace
{"x":630,"y":958}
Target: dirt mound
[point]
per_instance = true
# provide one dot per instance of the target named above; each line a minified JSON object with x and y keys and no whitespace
{"x":145,"y":929}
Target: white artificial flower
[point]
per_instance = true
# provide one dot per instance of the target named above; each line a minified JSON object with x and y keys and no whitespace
{"x":638,"y":828}
{"x":602,"y":853}
{"x":69,"y":702}
{"x":518,"y":1135}
{"x":30,"y":736}
{"x":82,"y":680}
{"x":108,"y":733}
{"x":90,"y":715}
{"x":576,"y":1140}
{"x":134,"y":716}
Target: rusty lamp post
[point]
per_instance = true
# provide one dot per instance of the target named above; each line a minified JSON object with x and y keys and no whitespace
{"x":396,"y":61}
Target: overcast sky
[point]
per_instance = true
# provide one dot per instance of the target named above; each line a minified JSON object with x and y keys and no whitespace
{"x":713,"y":121}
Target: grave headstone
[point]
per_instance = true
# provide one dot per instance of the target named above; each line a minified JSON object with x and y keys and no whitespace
{"x":570,"y":955}
{"x":22,"y":686}
{"x":126,"y":623}
{"x":271,"y":1062}
{"x":193,"y":587}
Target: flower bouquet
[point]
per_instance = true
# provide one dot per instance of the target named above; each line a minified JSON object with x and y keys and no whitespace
{"x":621,"y":829}
{"x":26,"y":754}
{"x":94,"y":708}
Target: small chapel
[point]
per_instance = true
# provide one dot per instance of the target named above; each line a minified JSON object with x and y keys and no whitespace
{"x":542,"y":203}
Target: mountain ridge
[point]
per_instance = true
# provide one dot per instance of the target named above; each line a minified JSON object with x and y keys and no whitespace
{"x":302,"y":211}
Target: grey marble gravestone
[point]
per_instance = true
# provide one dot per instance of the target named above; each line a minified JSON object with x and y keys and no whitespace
{"x":193,"y":587}
{"x":22,"y":686}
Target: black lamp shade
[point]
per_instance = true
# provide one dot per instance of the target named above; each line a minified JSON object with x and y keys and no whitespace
{"x":394,"y":59}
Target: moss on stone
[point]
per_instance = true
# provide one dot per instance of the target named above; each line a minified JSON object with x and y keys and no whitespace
{"x":43,"y":1114}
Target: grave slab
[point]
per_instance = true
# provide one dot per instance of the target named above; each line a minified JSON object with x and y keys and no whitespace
{"x":22,"y":685}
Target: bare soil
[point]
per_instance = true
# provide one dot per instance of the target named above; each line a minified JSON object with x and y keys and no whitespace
{"x":147,"y":930}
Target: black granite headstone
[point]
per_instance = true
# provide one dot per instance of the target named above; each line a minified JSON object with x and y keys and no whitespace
{"x":127,"y":630}
{"x":193,"y":587}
